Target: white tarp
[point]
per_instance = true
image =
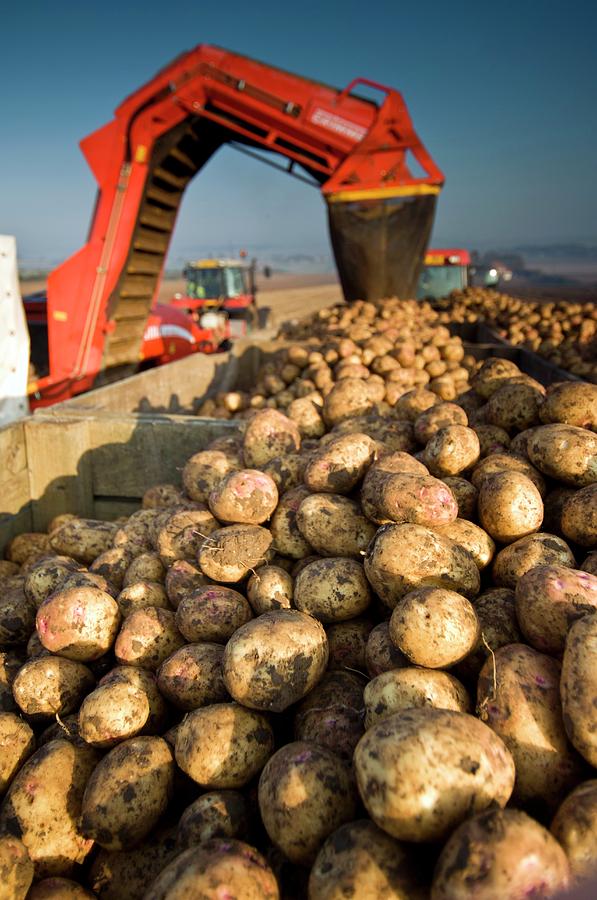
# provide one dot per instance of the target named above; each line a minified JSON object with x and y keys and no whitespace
{"x":14,"y":337}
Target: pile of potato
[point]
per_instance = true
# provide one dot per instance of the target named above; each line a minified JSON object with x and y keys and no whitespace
{"x":354,"y":654}
{"x":563,"y":332}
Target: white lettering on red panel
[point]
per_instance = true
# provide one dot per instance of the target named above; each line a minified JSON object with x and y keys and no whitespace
{"x":333,"y":122}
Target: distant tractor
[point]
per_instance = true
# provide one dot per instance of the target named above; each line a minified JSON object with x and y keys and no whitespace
{"x":221,"y":288}
{"x":445,"y":271}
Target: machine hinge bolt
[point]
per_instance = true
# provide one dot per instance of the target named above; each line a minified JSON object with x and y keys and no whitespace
{"x":241,"y":85}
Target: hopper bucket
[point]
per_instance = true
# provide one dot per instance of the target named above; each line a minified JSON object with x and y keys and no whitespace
{"x":379,"y":244}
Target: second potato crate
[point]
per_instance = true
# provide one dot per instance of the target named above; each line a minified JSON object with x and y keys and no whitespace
{"x":98,"y":467}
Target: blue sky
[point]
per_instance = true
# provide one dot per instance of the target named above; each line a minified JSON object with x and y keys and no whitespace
{"x":503,"y":94}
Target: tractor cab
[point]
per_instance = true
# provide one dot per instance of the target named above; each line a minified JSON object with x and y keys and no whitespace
{"x":443,"y":271}
{"x":223,"y":288}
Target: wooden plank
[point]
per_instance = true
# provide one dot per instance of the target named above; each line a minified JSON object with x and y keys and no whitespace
{"x":108,"y":508}
{"x":59,"y":467}
{"x":15,"y":506}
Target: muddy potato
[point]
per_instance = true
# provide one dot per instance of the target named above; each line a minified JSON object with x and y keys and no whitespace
{"x":579,"y":686}
{"x":423,"y":797}
{"x":85,"y":579}
{"x":112,"y":564}
{"x":539,"y":549}
{"x":339,"y":728}
{"x":510,"y":506}
{"x":275,"y":660}
{"x":338,"y":467}
{"x":287,"y":538}
{"x":162,"y":495}
{"x":380,"y":653}
{"x":145,"y":567}
{"x":590,"y":563}
{"x":500,"y":853}
{"x":119,"y":708}
{"x":326,"y":798}
{"x":571,"y":403}
{"x":553,"y":504}
{"x":307,"y":416}
{"x":125,"y":874}
{"x":336,"y":688}
{"x":451,"y":450}
{"x":230,"y":553}
{"x":47,"y":575}
{"x":223,"y":745}
{"x":139,"y":531}
{"x":43,"y":805}
{"x":434,"y":627}
{"x":406,"y":497}
{"x":497,"y":463}
{"x":212,"y":613}
{"x":579,"y":517}
{"x":78,"y":623}
{"x":216,"y":814}
{"x":490,"y":377}
{"x":183,"y":534}
{"x":17,"y":743}
{"x":10,"y":663}
{"x":269,"y":434}
{"x":181,"y":578}
{"x":127,"y":793}
{"x":492,"y":439}
{"x":17,"y":615}
{"x":59,"y":889}
{"x":465,"y":494}
{"x":16,"y":869}
{"x":347,"y":644}
{"x":471,"y":538}
{"x":217,"y":868}
{"x":140,"y":594}
{"x":204,"y":470}
{"x":83,"y":539}
{"x":247,"y":497}
{"x":271,"y":587}
{"x":496,"y":611}
{"x":411,"y":687}
{"x":439,"y":416}
{"x":147,"y":637}
{"x":575,"y":827}
{"x":193,"y":676}
{"x":332,"y":590}
{"x":414,"y":402}
{"x":333,"y":525}
{"x":548,"y":600}
{"x":350,"y":397}
{"x":518,"y":697}
{"x":402,"y":558}
{"x":28,"y":547}
{"x":565,"y":452}
{"x":50,"y":686}
{"x":514,"y":406}
{"x":8,"y":569}
{"x":286,"y":471}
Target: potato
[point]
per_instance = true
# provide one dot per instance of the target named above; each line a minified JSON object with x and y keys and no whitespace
{"x":223,"y":745}
{"x":193,"y":677}
{"x":47,"y":575}
{"x":212,"y":613}
{"x":578,"y":685}
{"x":451,"y":450}
{"x":305,"y":793}
{"x":181,"y":578}
{"x":78,"y":623}
{"x":58,"y":889}
{"x":125,"y":874}
{"x":347,"y":644}
{"x":162,"y":495}
{"x":439,"y":416}
{"x":590,"y":563}
{"x":287,"y":538}
{"x":411,"y":404}
{"x":145,"y":567}
{"x":565,"y":452}
{"x":216,"y":814}
{"x":17,"y":615}
{"x":204,"y":470}
{"x":245,"y":497}
{"x":490,"y":377}
{"x":492,"y":439}
{"x":333,"y":525}
{"x":183,"y":535}
{"x":286,"y":471}
{"x":411,"y":687}
{"x":60,"y":520}
{"x":84,"y":579}
{"x":17,"y":743}
{"x":147,"y":637}
{"x":579,"y":517}
{"x":217,"y":868}
{"x":269,"y":434}
{"x":405,"y":497}
{"x":8,"y":569}
{"x":10,"y":663}
{"x":28,"y":547}
{"x":275,"y":660}
{"x":83,"y":539}
{"x":337,"y":688}
{"x":575,"y":827}
{"x":570,"y":403}
{"x":506,"y":462}
{"x":43,"y":805}
{"x":127,"y":793}
{"x":230,"y":553}
{"x":417,"y":796}
{"x":16,"y":869}
{"x":51,"y":685}
{"x":471,"y":538}
{"x":338,"y":728}
{"x":338,"y":467}
{"x":332,"y":589}
{"x":434,"y":627}
{"x":548,"y":600}
{"x":500,"y":853}
{"x":514,"y":406}
{"x":140,"y":594}
{"x":113,"y":712}
{"x":271,"y":587}
{"x":465,"y":495}
{"x":496,"y":612}
{"x":518,"y":697}
{"x":404,"y":557}
{"x":349,"y":397}
{"x":540,"y":549}
{"x":380,"y":653}
{"x":510,"y":506}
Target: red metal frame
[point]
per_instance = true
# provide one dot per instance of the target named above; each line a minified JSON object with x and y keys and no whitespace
{"x":345,"y":142}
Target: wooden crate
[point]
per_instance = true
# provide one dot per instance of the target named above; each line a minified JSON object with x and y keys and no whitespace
{"x":95,"y":466}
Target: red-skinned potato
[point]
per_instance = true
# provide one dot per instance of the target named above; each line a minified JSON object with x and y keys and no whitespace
{"x":78,"y":623}
{"x":247,"y":497}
